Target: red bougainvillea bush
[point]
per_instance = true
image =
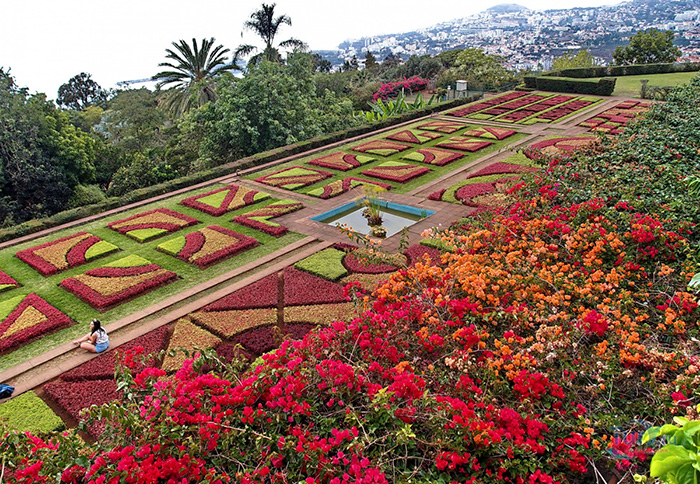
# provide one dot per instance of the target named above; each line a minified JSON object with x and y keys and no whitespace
{"x":392,"y":89}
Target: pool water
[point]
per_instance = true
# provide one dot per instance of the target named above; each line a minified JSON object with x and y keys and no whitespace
{"x":394,"y":217}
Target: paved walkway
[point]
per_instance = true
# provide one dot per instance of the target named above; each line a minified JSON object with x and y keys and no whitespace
{"x":40,"y":369}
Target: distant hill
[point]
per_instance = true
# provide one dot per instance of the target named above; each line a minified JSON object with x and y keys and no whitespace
{"x":507,"y":8}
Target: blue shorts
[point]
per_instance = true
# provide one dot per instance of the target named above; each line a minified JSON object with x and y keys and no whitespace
{"x":99,"y":348}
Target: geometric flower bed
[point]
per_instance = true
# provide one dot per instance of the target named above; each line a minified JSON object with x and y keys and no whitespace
{"x":302,"y":288}
{"x":490,"y":133}
{"x":558,"y":146}
{"x":414,"y":136}
{"x":417,"y":252}
{"x":226,"y":199}
{"x":259,"y":219}
{"x":28,"y":413}
{"x":26,"y":317}
{"x":356,"y":263}
{"x":464,"y":144}
{"x":154,"y":223}
{"x":113,"y":284}
{"x":65,"y":253}
{"x":322,"y":314}
{"x":614,"y":120}
{"x":207,"y":246}
{"x":487,"y":103}
{"x":260,"y":294}
{"x":448,"y":127}
{"x":341,"y":161}
{"x":381,"y":147}
{"x":6,"y":282}
{"x":229,"y":323}
{"x":484,"y":191}
{"x":396,"y":171}
{"x":294,"y":177}
{"x":433,"y":156}
{"x":339,"y":187}
{"x":186,"y":335}
{"x":327,"y":263}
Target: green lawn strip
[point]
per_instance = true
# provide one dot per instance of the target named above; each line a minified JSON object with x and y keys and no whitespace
{"x":327,"y":264}
{"x":28,"y":413}
{"x":438,"y":244}
{"x":47,"y":287}
{"x":630,"y":86}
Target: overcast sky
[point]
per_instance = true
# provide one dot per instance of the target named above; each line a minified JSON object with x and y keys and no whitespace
{"x":46,"y":42}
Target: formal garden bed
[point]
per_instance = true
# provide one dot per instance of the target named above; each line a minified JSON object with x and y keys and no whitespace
{"x":614,"y":120}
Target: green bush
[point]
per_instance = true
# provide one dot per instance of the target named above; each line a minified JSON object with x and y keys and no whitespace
{"x":327,"y":264}
{"x":600,"y":87}
{"x":86,"y":195}
{"x":28,"y":413}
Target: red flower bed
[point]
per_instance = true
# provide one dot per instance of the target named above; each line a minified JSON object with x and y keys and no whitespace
{"x":413,"y":136}
{"x":622,"y":113}
{"x":32,"y":317}
{"x":104,"y":287}
{"x":353,"y":264}
{"x":160,"y":218}
{"x":437,"y":196}
{"x":380,"y":147}
{"x":294,"y":177}
{"x":442,"y":126}
{"x":476,"y":107}
{"x":260,"y":294}
{"x":339,"y":187}
{"x":236,"y":197}
{"x":433,"y":156}
{"x":398,"y":172}
{"x":7,"y":282}
{"x":464,"y":144}
{"x":490,"y":132}
{"x":73,"y":397}
{"x":392,"y":89}
{"x":258,"y":340}
{"x":213,"y":244}
{"x":416,"y":252}
{"x":60,"y":254}
{"x":103,"y":366}
{"x":340,"y":161}
{"x":498,"y":168}
{"x":260,"y":219}
{"x":558,"y":146}
{"x":302,"y":288}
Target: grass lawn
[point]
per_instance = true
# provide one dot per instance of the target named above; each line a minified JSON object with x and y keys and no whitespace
{"x":629,"y":86}
{"x":81,"y":313}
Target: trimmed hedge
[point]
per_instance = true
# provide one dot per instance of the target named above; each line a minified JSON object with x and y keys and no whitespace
{"x":29,"y":413}
{"x":36,"y":225}
{"x":602,"y":87}
{"x":630,"y":70}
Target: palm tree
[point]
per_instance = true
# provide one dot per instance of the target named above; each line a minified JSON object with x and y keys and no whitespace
{"x":192,"y":74}
{"x":264,"y":23}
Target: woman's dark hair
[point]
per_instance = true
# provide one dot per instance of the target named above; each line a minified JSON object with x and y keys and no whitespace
{"x":96,"y":325}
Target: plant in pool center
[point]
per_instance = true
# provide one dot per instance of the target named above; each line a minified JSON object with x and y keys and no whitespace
{"x":370,"y":201}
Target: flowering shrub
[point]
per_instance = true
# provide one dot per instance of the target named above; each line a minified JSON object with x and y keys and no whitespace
{"x":113,"y":284}
{"x":381,"y":147}
{"x":154,"y":223}
{"x":448,"y":127}
{"x":464,"y":144}
{"x":65,"y":253}
{"x":392,"y":89}
{"x":208,"y":246}
{"x":396,"y":171}
{"x":433,"y":156}
{"x":226,"y":199}
{"x":414,"y":136}
{"x":260,"y":219}
{"x":7,"y":282}
{"x":339,"y":187}
{"x":294,"y":177}
{"x":341,"y":161}
{"x":25,"y":318}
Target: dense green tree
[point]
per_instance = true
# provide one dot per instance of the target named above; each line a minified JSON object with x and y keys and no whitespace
{"x":391,"y":60}
{"x":81,"y":92}
{"x":423,"y":66}
{"x":648,"y":47}
{"x":574,"y":60}
{"x":192,"y":74}
{"x":476,"y":66}
{"x":370,"y":61}
{"x":448,"y":58}
{"x":264,"y":23}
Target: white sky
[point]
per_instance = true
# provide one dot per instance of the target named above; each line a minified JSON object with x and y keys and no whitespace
{"x":46,"y":42}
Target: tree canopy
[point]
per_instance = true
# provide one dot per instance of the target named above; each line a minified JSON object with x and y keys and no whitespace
{"x":648,"y":47}
{"x":264,"y":23}
{"x":81,"y":92}
{"x":574,"y":60}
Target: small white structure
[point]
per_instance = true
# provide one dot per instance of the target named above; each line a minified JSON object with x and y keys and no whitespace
{"x":461,"y":89}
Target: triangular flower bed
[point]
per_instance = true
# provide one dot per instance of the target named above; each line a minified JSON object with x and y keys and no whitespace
{"x":414,"y":136}
{"x":188,"y":336}
{"x":433,"y":156}
{"x":294,"y":177}
{"x":154,"y":223}
{"x":341,"y":161}
{"x":396,"y":171}
{"x":464,"y":144}
{"x":208,"y":246}
{"x":227,"y":324}
{"x":26,"y":317}
{"x":381,"y":147}
{"x":115,"y":283}
{"x":301,"y":288}
{"x":261,"y":218}
{"x":7,"y":282}
{"x":355,"y":263}
{"x":260,"y":294}
{"x":448,"y":127}
{"x":75,"y":396}
{"x":103,"y":366}
{"x":323,"y":314}
{"x":65,"y":253}
{"x":226,"y":199}
{"x":341,"y":186}
{"x":490,"y":132}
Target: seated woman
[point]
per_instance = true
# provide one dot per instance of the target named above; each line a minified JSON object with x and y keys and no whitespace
{"x":96,"y":341}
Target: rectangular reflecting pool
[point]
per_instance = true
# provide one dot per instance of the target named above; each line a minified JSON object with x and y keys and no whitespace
{"x":394,"y":216}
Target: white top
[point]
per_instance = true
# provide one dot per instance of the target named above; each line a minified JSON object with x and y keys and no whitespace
{"x":101,"y":337}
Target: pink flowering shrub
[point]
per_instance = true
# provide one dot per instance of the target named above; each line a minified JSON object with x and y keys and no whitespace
{"x":392,"y":89}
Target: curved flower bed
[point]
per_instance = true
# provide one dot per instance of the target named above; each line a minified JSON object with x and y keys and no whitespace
{"x":208,"y":246}
{"x":559,"y":146}
{"x":381,"y":147}
{"x":260,"y":219}
{"x":502,"y":168}
{"x":464,"y":144}
{"x":433,"y":156}
{"x":615,"y":119}
{"x":65,"y":253}
{"x":260,"y":294}
{"x":396,"y":171}
{"x":341,"y":161}
{"x":226,"y":199}
{"x":7,"y":282}
{"x":417,"y":252}
{"x":115,"y":283}
{"x":490,"y":132}
{"x":414,"y":136}
{"x":26,"y":317}
{"x":341,"y":186}
{"x":154,"y":223}
{"x":294,"y":177}
{"x":188,"y":336}
{"x":227,"y":324}
{"x":355,"y":262}
{"x":448,"y":127}
{"x":477,"y":191}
